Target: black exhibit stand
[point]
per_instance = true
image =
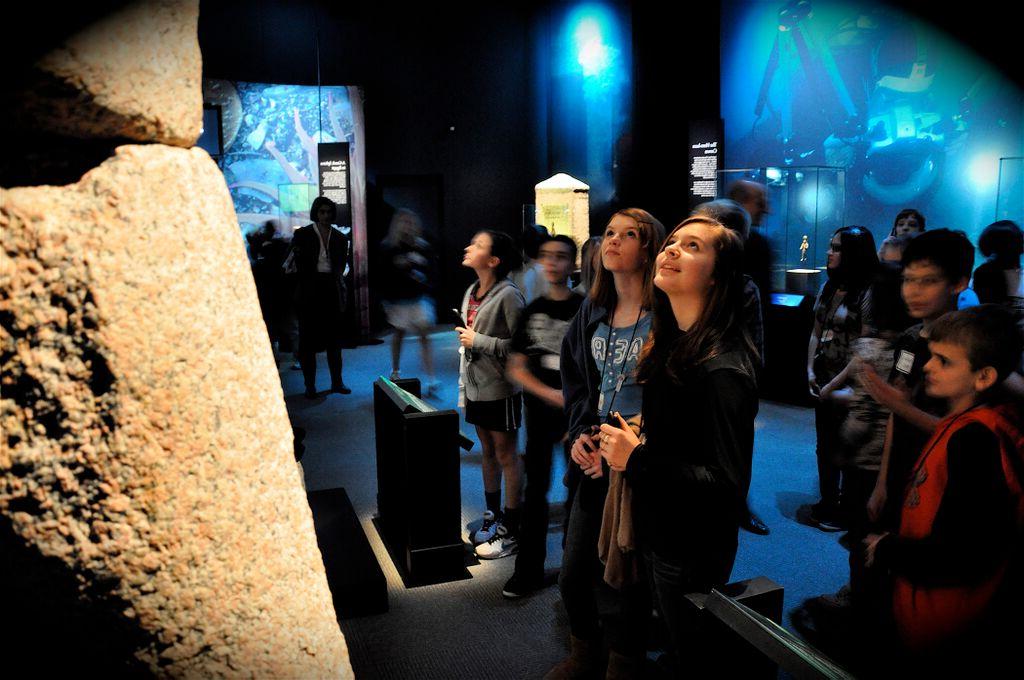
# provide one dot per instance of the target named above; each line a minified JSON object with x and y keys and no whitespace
{"x":788,"y":323}
{"x":419,"y":501}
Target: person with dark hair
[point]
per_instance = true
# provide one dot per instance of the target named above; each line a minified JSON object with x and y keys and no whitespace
{"x":320,"y":253}
{"x":998,"y":279}
{"x":908,"y":222}
{"x":757,"y":252}
{"x":955,"y":554}
{"x":891,"y":249}
{"x":842,"y":309}
{"x":862,"y":441}
{"x":270,"y":252}
{"x":690,"y":476}
{"x":598,"y":363}
{"x":534,"y":364}
{"x":529,"y":277}
{"x":730,"y":214}
{"x":491,"y":309}
{"x":590,"y":257}
{"x":936,"y":266}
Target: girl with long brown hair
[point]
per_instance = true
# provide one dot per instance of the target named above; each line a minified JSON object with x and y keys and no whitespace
{"x":689,"y":469}
{"x":598,"y":363}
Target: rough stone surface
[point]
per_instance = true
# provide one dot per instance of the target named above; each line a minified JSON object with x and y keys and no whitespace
{"x":135,"y":74}
{"x":146,"y":461}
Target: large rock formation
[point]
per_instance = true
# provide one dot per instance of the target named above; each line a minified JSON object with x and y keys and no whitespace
{"x":135,"y":74}
{"x":147,"y":450}
{"x":152,"y":519}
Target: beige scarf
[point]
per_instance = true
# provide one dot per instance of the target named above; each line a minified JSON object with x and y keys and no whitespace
{"x":616,"y":543}
{"x":616,"y":546}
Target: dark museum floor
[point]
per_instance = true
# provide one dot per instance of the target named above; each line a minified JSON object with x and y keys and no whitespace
{"x":466,"y":629}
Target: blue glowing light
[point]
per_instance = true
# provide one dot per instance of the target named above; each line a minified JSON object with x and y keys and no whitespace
{"x":593,"y":39}
{"x":591,"y":51}
{"x":984,"y":171}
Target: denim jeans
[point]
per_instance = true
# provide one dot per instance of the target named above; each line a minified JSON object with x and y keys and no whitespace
{"x":593,"y":606}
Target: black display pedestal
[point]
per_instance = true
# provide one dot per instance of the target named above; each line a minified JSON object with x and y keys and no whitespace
{"x":788,"y":323}
{"x":419,"y":503}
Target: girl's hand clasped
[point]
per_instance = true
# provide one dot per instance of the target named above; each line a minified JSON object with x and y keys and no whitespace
{"x":584,"y":454}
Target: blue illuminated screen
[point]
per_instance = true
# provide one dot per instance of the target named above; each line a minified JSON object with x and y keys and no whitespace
{"x":913,"y":117}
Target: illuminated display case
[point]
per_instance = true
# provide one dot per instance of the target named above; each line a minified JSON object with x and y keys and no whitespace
{"x":1010,"y":199}
{"x":562,"y":205}
{"x":806,"y":205}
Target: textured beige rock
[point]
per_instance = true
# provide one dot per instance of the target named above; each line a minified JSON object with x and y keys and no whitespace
{"x":135,"y":74}
{"x":146,"y":449}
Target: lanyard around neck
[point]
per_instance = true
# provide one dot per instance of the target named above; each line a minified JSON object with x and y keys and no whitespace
{"x":608,"y":350}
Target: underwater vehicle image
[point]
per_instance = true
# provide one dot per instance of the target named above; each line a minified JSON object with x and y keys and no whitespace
{"x":859,"y":95}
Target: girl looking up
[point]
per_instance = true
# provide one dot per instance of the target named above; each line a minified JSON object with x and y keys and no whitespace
{"x":690,"y":477}
{"x":491,"y":309}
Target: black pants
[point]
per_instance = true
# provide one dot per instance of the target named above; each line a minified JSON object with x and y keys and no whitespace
{"x":307,"y":359}
{"x":320,"y":327}
{"x":594,"y":606}
{"x":671,"y":580}
{"x":867,"y":586}
{"x":828,"y":418}
{"x":545,"y":427}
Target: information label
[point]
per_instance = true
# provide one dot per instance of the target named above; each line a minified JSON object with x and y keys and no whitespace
{"x":705,"y":159}
{"x":333,"y":172}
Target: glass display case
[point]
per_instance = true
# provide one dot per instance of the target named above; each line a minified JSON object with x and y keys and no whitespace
{"x":806,"y":205}
{"x":1010,"y":196}
{"x":563,"y":206}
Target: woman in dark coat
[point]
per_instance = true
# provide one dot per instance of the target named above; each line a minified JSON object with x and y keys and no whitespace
{"x":321,"y":251}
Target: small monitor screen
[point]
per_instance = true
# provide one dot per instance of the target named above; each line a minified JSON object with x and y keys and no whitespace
{"x":787,"y":299}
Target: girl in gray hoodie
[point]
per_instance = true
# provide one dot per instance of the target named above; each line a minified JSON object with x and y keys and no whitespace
{"x":490,"y":309}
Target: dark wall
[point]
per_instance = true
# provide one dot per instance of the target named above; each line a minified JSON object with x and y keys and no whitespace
{"x":676,"y":63}
{"x":446,"y":94}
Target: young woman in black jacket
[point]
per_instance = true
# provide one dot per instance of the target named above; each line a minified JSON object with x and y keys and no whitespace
{"x":690,"y":468}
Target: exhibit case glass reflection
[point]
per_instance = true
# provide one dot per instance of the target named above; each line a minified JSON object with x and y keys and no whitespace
{"x":806,"y":205}
{"x":1010,"y":196}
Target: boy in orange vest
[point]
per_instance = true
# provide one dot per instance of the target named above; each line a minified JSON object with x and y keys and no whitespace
{"x":954,"y":559}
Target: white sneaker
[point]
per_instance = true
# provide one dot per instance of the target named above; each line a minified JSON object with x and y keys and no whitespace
{"x":394,"y":376}
{"x":487,"y":529}
{"x":502,"y":545}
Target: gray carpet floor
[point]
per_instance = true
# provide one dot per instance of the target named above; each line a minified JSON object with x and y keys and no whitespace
{"x":466,"y":629}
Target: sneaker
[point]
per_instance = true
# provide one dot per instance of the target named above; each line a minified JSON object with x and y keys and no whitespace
{"x":829,"y":524}
{"x":502,"y":545}
{"x":518,"y":586}
{"x":394,"y":376}
{"x":431,"y":388}
{"x":487,"y":529}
